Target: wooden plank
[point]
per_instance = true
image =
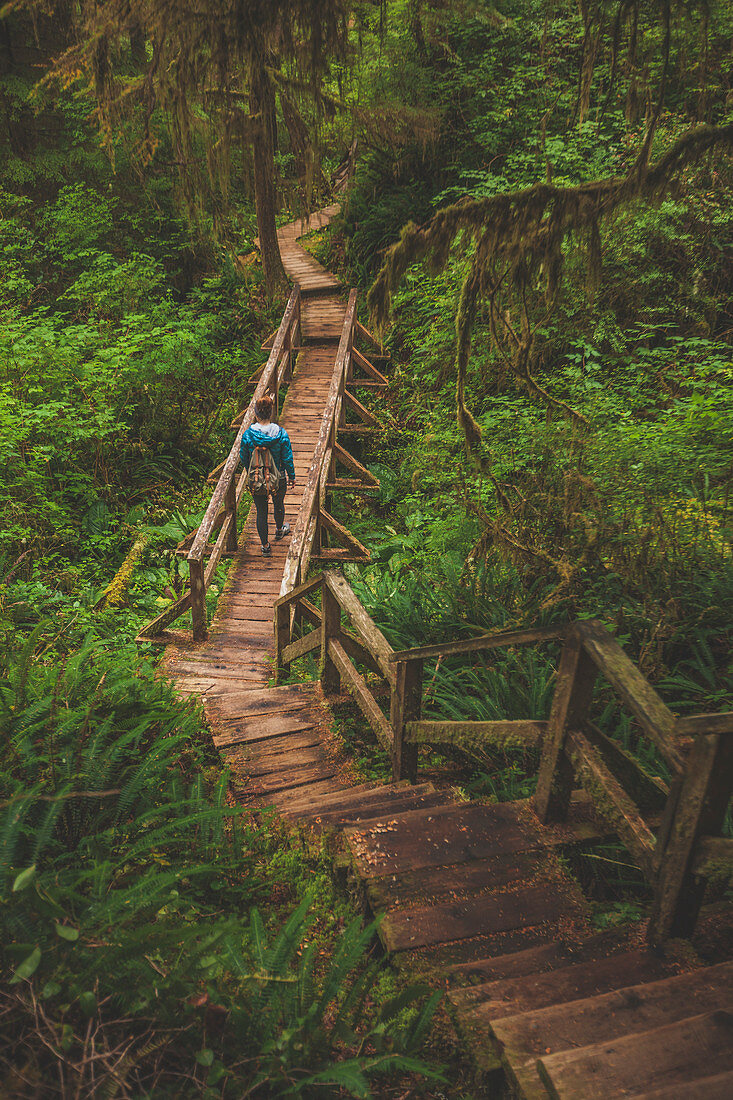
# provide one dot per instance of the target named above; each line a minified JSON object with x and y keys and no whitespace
{"x":342,"y":455}
{"x":444,"y":922}
{"x":243,"y":704}
{"x":440,"y":883}
{"x":590,"y":976}
{"x":649,"y":792}
{"x":298,"y":593}
{"x":638,"y":695}
{"x":450,"y":835}
{"x":354,"y":815}
{"x":612,"y":801}
{"x":702,"y":724}
{"x":368,"y":367}
{"x":343,"y":534}
{"x":668,"y":1057}
{"x":307,"y":644}
{"x":366,"y":335}
{"x":361,"y":410}
{"x":358,"y":686}
{"x":274,"y":748}
{"x":486,"y":641}
{"x":289,"y":780}
{"x":176,"y":609}
{"x":259,"y":729}
{"x":405,"y":706}
{"x":700,"y":809}
{"x":504,"y":733}
{"x":365,"y":628}
{"x":719,"y":1087}
{"x":610,"y":1016}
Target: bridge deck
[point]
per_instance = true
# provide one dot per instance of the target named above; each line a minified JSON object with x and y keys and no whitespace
{"x":474,"y":893}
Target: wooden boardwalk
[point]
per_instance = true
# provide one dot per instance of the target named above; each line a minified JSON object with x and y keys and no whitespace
{"x":475,"y":895}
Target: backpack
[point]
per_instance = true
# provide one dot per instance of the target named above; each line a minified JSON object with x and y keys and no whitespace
{"x":263,"y":475}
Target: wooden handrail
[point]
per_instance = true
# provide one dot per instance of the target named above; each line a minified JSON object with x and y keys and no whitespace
{"x":196,"y":552}
{"x":653,"y":714}
{"x":486,"y":641}
{"x":301,"y":540}
{"x":573,"y":749}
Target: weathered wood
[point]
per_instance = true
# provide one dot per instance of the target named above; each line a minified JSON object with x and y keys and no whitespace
{"x":160,"y":622}
{"x":301,"y":646}
{"x":700,"y":810}
{"x":341,"y":455}
{"x":608,"y":1017}
{"x":361,"y":411}
{"x":505,"y":733}
{"x":612,"y":801}
{"x":350,"y":541}
{"x":649,"y":792}
{"x":299,"y":592}
{"x":364,"y":626}
{"x":653,"y":714}
{"x":358,"y":686}
{"x":350,"y":485}
{"x":330,"y":631}
{"x":369,"y":369}
{"x":576,"y":677}
{"x":486,"y":641}
{"x":310,"y":500}
{"x":703,"y":724}
{"x":359,"y":330}
{"x":405,"y":706}
{"x":666,"y":1058}
{"x":198,"y":598}
{"x":448,"y":922}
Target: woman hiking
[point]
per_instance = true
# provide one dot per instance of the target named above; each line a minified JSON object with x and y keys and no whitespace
{"x":265,"y":448}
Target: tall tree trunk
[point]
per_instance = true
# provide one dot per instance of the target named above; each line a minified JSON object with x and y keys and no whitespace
{"x":262,"y":108}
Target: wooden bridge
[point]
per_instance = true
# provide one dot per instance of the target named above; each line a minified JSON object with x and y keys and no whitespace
{"x":474,"y":894}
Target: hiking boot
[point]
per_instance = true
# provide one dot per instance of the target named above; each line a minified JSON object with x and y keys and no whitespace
{"x":281,"y":532}
{"x":266,"y":550}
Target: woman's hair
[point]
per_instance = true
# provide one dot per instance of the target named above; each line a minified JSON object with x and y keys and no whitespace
{"x":263,"y":407}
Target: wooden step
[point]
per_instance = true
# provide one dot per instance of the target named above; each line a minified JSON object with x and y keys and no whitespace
{"x":596,"y":966}
{"x":669,"y":1060}
{"x":530,"y":1035}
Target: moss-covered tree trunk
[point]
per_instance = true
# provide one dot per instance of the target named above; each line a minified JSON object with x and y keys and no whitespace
{"x":262,"y":108}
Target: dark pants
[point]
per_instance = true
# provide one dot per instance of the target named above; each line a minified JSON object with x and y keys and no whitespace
{"x":278,"y":507}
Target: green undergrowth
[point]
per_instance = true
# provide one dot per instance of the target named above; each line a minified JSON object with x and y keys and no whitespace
{"x":206,"y":945}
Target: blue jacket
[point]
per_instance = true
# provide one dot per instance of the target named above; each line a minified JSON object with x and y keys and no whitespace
{"x":278,"y":444}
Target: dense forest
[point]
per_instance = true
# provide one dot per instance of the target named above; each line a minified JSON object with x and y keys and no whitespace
{"x":539,"y":223}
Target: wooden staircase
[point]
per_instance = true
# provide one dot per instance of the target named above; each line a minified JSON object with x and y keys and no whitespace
{"x":474,"y":895}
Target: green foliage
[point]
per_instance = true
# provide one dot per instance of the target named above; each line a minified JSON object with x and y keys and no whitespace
{"x":128,"y":890}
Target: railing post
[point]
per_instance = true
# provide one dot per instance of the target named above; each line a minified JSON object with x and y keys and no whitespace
{"x":230,"y":504}
{"x":330,"y":628}
{"x":282,"y":638}
{"x":576,"y":678}
{"x":700,"y":810}
{"x":406,"y":705}
{"x":198,"y":599}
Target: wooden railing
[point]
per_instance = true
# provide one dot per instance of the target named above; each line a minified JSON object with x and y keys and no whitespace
{"x":315,"y":525}
{"x":689,"y":812}
{"x":220,"y":518}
